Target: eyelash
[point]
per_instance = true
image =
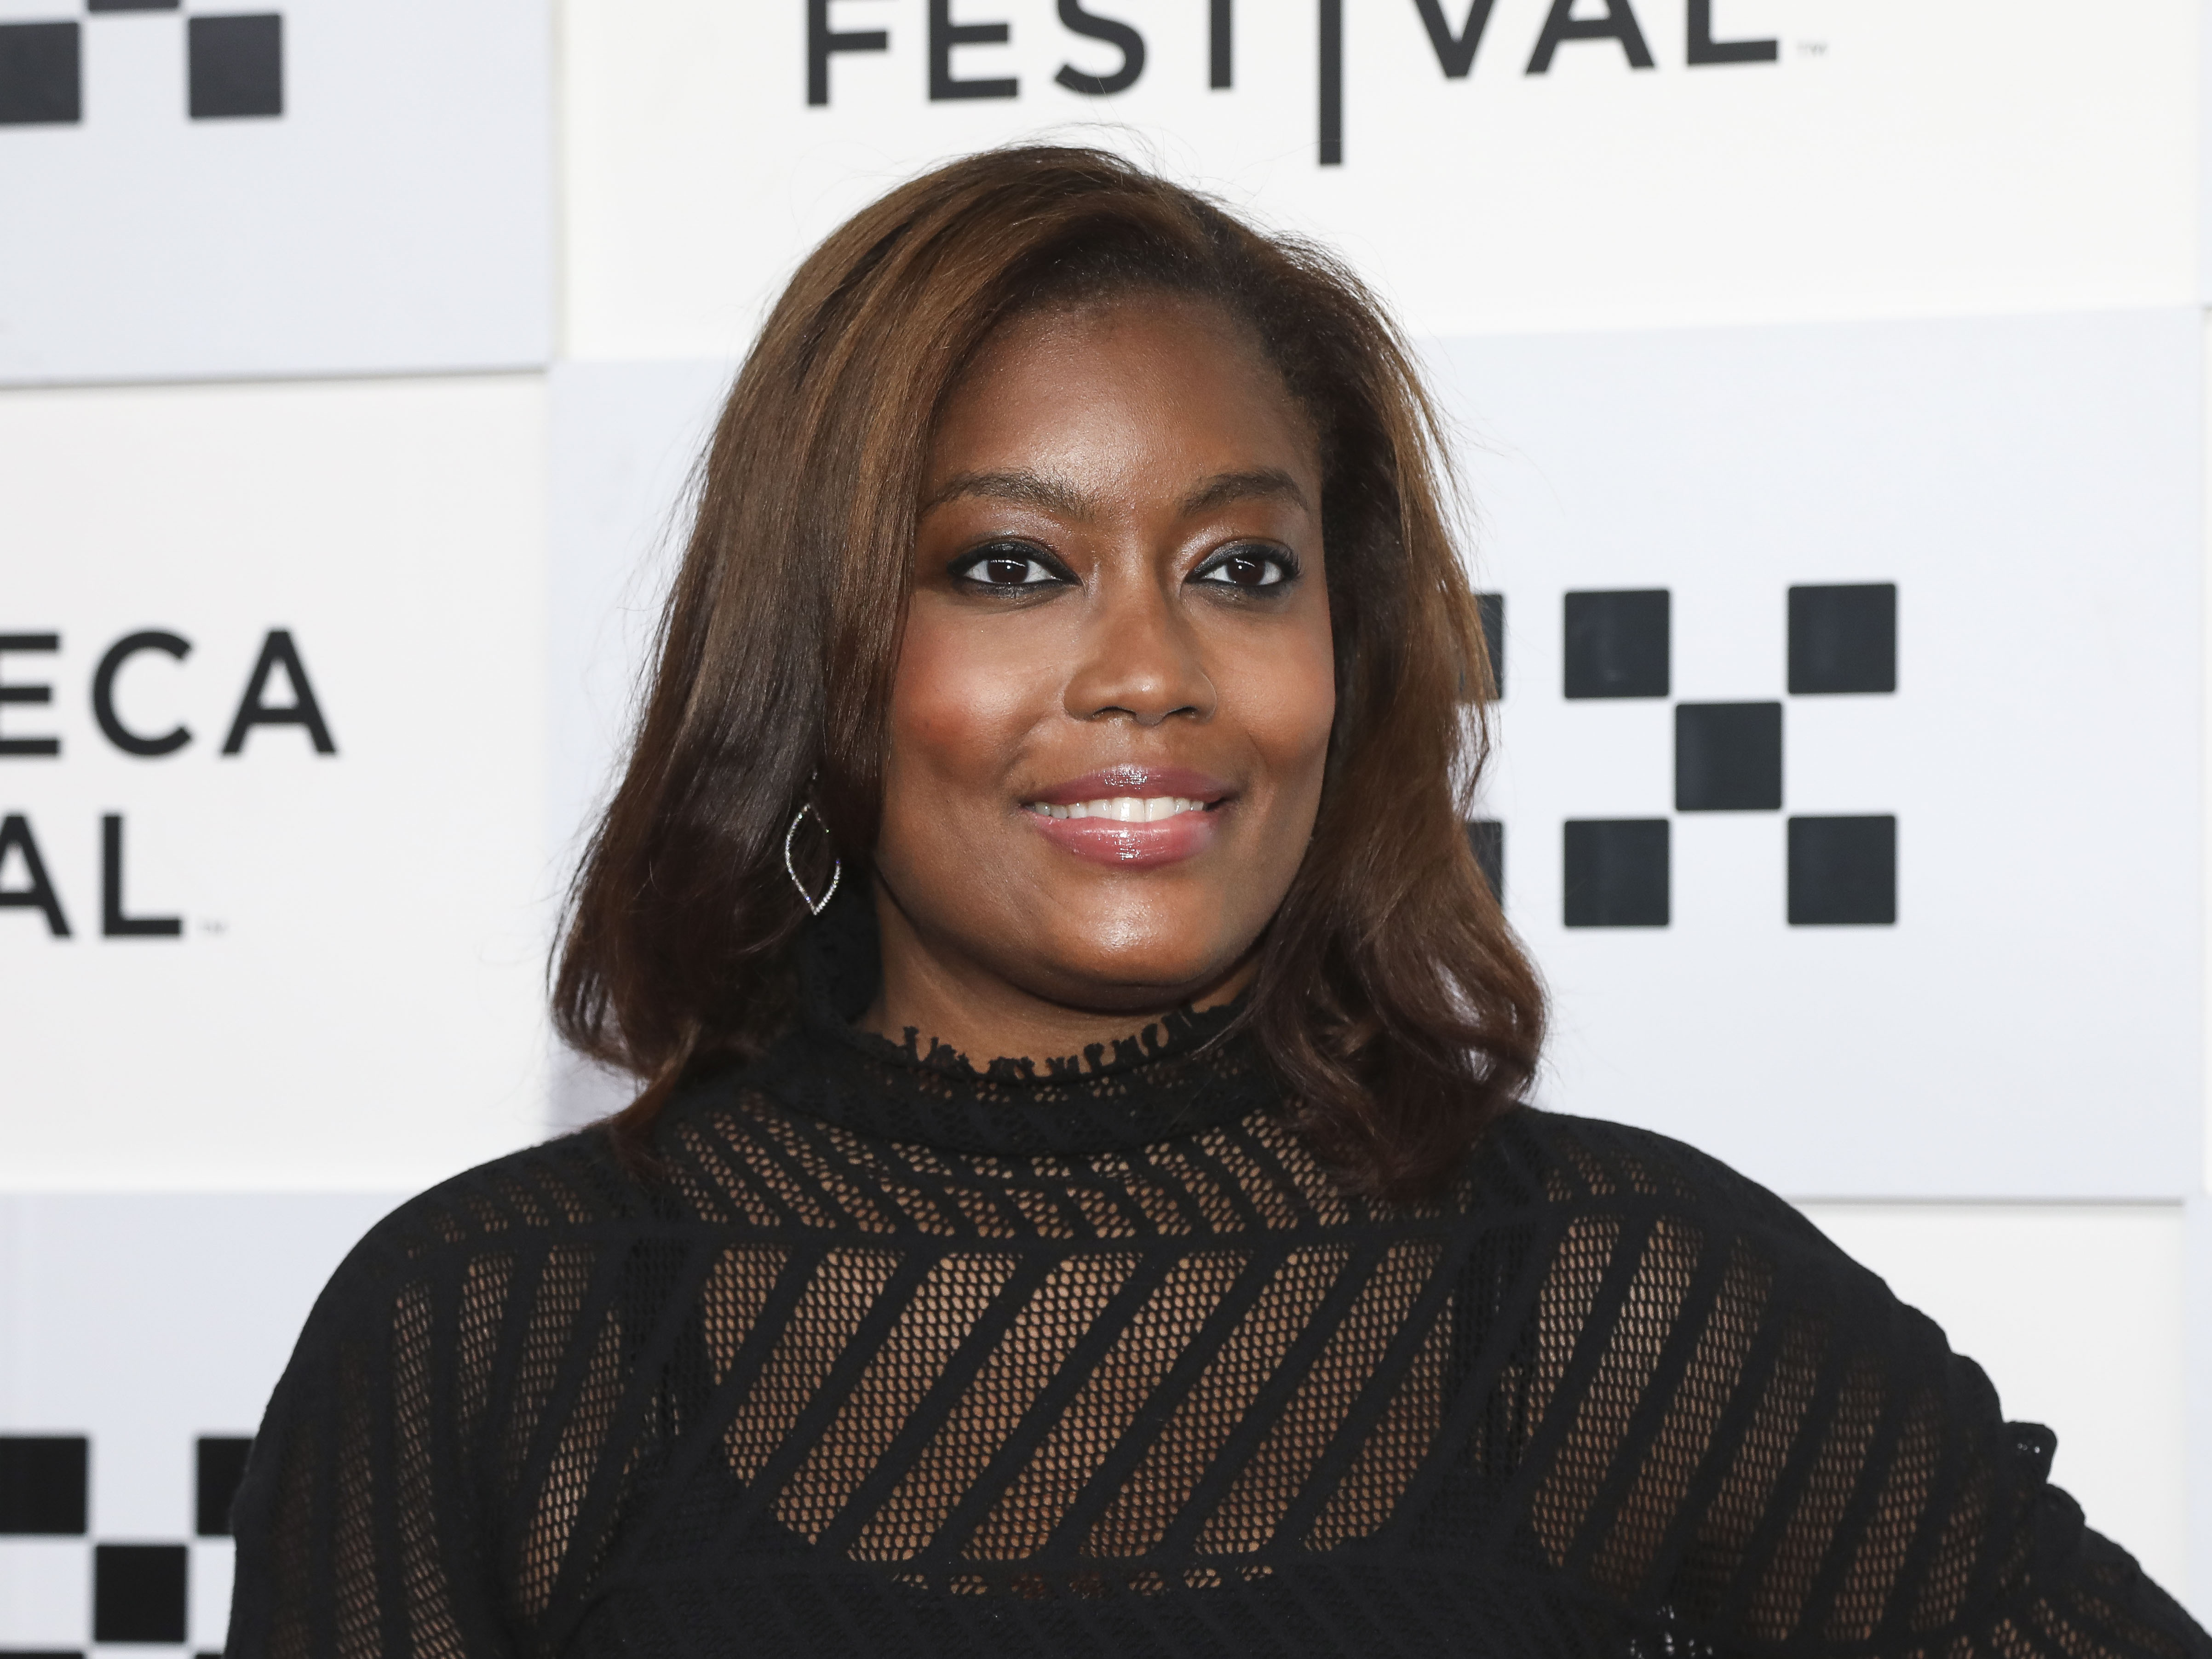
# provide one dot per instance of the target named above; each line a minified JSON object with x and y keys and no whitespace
{"x":964,"y":569}
{"x":1055,"y":574}
{"x":1284,"y":561}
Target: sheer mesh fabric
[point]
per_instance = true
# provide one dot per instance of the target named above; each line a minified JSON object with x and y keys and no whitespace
{"x":899,"y":1358}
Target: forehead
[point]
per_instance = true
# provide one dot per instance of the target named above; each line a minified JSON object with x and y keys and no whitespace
{"x":1152,"y":385}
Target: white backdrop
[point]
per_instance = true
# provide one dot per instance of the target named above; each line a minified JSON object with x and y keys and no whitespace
{"x":2030,"y":486}
{"x":352,"y":996}
{"x":396,"y":217}
{"x":1913,"y":299}
{"x":1897,"y":158}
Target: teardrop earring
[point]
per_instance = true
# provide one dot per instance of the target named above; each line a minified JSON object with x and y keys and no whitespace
{"x":837,"y":865}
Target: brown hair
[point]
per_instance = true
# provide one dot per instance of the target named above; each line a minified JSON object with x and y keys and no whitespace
{"x":1391,"y":998}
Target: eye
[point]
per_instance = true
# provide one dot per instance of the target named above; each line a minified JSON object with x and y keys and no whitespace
{"x":1009,"y":565}
{"x":1247,"y":568}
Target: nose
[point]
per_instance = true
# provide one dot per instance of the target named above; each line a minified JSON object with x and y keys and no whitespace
{"x":1138,"y":660}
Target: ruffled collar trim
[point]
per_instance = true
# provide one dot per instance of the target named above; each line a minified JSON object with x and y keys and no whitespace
{"x":1188,"y":1072}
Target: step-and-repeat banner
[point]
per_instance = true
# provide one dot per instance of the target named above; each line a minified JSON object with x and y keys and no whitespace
{"x":1828,"y":379}
{"x":297,"y":187}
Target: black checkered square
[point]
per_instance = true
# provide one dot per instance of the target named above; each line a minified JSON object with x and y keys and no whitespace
{"x":45,"y":1482}
{"x":219,"y":1463}
{"x":138,"y":1592}
{"x":1619,"y":643}
{"x":1618,"y":873}
{"x":1843,"y":639}
{"x":1493,"y":608}
{"x":41,"y":75}
{"x":235,"y":66}
{"x":1727,"y":758}
{"x":1486,"y":837}
{"x":1843,"y":871}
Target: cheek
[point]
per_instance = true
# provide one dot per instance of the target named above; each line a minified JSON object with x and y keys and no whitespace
{"x":1290,"y":703}
{"x":957,"y":712}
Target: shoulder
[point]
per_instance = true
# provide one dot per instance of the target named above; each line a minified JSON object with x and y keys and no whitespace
{"x":1607,"y":1199}
{"x":571,"y":1190}
{"x":1561,"y":1161}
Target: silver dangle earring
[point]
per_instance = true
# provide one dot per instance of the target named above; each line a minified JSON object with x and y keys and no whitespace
{"x":837,"y":865}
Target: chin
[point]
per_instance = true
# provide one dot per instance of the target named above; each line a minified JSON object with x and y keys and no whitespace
{"x":1135,"y":980}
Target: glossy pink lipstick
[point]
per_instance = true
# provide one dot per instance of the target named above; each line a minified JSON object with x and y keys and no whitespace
{"x":1131,"y":817}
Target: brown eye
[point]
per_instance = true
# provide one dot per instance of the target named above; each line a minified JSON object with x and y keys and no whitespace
{"x":1248,"y":566}
{"x":1007,"y":567}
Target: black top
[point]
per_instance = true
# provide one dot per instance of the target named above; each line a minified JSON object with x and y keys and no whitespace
{"x":902,"y":1358}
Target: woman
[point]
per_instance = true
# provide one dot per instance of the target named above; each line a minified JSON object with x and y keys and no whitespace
{"x":1071,"y":662}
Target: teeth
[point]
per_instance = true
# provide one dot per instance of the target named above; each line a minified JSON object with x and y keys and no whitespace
{"x":1120,"y":809}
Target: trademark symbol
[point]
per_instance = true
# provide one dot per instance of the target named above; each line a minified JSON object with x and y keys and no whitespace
{"x":214,"y":928}
{"x":1812,"y":48}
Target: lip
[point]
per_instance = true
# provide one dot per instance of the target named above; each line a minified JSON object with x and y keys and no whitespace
{"x":1132,"y":846}
{"x":1111,"y":780}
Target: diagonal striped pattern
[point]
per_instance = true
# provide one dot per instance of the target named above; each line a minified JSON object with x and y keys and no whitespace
{"x":873,"y":1369}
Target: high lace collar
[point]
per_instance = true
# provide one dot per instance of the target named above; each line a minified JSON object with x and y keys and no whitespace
{"x":1180,"y":1076}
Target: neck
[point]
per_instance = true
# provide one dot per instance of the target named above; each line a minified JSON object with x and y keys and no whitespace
{"x":949,"y":997}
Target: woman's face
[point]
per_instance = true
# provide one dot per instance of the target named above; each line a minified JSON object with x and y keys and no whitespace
{"x":1113,"y":699}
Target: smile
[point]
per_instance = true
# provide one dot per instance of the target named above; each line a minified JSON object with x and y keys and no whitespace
{"x":1118,"y":809}
{"x":1131,"y":817}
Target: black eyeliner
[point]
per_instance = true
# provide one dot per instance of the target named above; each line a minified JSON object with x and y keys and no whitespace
{"x":1291,"y":567}
{"x":1028,"y":552}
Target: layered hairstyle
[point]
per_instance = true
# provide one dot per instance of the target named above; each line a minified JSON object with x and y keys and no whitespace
{"x":1390,"y":998}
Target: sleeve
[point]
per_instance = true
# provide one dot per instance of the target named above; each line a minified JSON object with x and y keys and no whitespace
{"x":356,"y":1530}
{"x":1754,"y":1448}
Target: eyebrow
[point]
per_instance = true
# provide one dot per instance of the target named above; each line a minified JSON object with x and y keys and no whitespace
{"x":1260,"y":484}
{"x":1036,"y":490}
{"x":1030,"y":488}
